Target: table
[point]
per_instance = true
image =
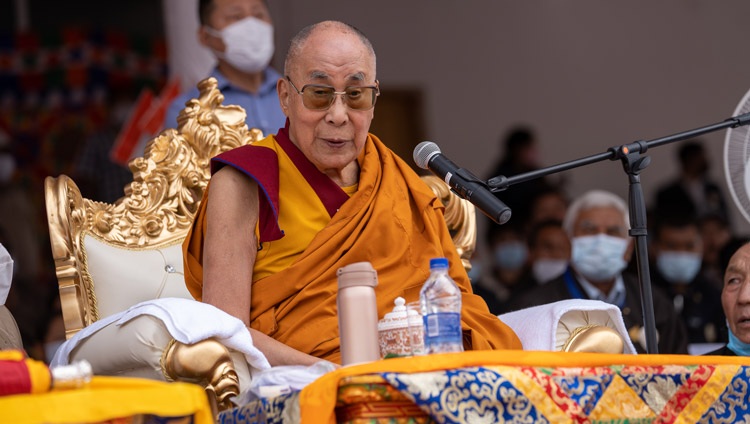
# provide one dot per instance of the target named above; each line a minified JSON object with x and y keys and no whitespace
{"x":496,"y":386}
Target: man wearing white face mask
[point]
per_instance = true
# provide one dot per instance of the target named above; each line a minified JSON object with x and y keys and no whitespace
{"x":677,"y":252}
{"x":240,"y":34}
{"x":597,"y":224}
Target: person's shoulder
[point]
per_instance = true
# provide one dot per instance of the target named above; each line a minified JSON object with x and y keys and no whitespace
{"x":632,"y":285}
{"x":722,"y":351}
{"x":551,"y":291}
{"x":272,"y":74}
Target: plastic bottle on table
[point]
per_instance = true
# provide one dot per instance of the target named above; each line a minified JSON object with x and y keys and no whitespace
{"x":441,"y":310}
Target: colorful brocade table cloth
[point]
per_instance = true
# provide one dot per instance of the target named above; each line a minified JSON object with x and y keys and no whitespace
{"x":517,"y":386}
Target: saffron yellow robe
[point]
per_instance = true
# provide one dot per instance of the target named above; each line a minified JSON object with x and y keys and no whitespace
{"x":393,"y":221}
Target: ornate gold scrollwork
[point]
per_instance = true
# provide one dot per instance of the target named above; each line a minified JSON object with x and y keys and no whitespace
{"x":159,"y":205}
{"x":206,"y":363}
{"x":460,"y":215}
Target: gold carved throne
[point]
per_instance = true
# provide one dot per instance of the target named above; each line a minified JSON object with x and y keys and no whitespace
{"x":109,"y":257}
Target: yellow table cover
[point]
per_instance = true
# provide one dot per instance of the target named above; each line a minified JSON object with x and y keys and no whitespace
{"x":108,"y":399}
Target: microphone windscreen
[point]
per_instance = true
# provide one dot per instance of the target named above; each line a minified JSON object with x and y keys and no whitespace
{"x":424,"y":152}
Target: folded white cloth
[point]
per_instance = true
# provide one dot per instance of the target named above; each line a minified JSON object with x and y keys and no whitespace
{"x":188,"y":321}
{"x":6,"y":273}
{"x":539,"y":327}
{"x":283,"y":379}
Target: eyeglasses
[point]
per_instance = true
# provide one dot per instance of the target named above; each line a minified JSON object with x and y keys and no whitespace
{"x":321,"y":97}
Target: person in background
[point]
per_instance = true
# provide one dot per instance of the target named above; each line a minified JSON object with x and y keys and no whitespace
{"x":520,"y":155}
{"x":240,"y":34}
{"x":716,"y":234}
{"x":692,"y":192}
{"x":282,"y":215}
{"x":549,"y":204}
{"x":677,"y":252}
{"x":597,"y":224}
{"x":508,"y":257}
{"x":735,"y":301}
{"x":549,"y":252}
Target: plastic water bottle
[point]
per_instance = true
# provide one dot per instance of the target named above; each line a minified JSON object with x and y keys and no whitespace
{"x":441,"y":310}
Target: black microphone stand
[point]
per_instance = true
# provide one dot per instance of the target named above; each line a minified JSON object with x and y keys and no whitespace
{"x":633,"y":162}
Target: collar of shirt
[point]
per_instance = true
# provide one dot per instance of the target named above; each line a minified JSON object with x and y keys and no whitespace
{"x":270,"y":77}
{"x":616,"y":296}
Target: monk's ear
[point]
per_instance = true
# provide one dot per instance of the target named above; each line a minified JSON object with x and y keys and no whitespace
{"x":282,"y":89}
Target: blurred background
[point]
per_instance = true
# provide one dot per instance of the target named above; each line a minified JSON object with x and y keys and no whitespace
{"x":580,"y":76}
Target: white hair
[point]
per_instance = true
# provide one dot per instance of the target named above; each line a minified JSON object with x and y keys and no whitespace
{"x":595,"y":199}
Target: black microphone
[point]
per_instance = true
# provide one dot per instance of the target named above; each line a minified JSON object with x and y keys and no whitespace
{"x":462,"y":182}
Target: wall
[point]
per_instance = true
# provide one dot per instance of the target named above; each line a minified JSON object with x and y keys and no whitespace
{"x":588,"y":74}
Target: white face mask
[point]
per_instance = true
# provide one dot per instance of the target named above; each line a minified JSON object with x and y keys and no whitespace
{"x":599,"y":258}
{"x":545,"y":270}
{"x":248,"y":42}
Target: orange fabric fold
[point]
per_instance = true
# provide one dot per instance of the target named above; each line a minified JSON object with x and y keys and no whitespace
{"x":395,"y":222}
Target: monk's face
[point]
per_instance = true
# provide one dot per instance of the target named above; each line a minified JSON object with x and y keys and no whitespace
{"x":735,"y":296}
{"x":332,"y":138}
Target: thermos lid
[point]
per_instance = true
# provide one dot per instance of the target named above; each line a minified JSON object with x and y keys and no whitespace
{"x":357,"y":274}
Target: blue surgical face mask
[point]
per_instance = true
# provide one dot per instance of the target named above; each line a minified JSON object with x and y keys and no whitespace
{"x":600,"y":257}
{"x":510,"y":255}
{"x":736,"y":345}
{"x":679,"y":267}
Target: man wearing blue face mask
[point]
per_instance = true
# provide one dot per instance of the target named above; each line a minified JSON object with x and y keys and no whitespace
{"x":507,"y":266}
{"x":677,"y":253}
{"x":240,"y":34}
{"x":597,"y":224}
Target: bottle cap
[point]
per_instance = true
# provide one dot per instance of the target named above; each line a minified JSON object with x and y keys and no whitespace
{"x":357,"y":274}
{"x":396,"y":318}
{"x":438,"y":263}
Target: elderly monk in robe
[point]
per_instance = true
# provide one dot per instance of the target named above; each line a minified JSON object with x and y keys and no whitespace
{"x":282,"y":215}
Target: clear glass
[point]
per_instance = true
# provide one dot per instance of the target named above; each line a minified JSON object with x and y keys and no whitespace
{"x":416,"y":328}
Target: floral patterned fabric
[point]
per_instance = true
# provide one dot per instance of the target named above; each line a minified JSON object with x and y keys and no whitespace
{"x":648,"y":394}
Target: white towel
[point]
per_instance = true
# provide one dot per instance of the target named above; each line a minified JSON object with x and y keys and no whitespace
{"x":537,"y":326}
{"x":188,"y":321}
{"x":6,"y":273}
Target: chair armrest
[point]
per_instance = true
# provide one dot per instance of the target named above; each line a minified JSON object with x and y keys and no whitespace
{"x":144,"y":348}
{"x":207,"y":363}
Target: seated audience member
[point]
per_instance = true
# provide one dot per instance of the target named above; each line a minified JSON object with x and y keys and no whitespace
{"x":692,"y":192}
{"x":549,"y":204}
{"x":735,"y":300}
{"x":716,"y":234}
{"x":549,"y":252}
{"x":240,"y":35}
{"x":677,"y":249}
{"x":507,"y":260}
{"x":282,"y":215}
{"x":520,"y":155}
{"x":597,"y":224}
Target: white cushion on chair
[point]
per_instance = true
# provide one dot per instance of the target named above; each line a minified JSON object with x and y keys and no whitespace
{"x":187,"y":321}
{"x":547,"y":327}
{"x":125,"y":277}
